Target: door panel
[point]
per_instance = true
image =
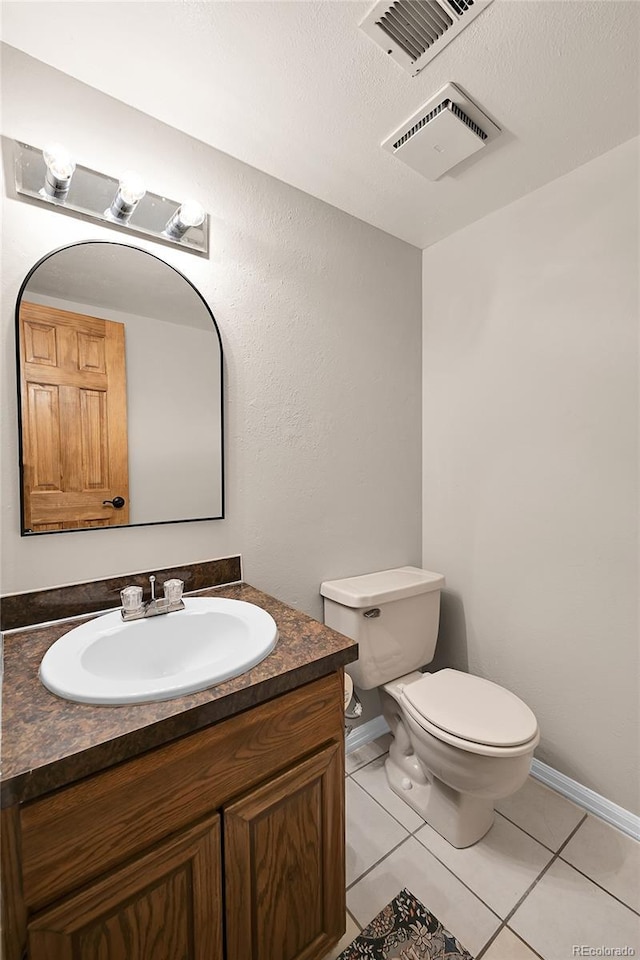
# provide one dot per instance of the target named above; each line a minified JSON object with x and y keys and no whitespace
{"x":164,"y":905}
{"x":94,"y":439}
{"x":74,"y":414}
{"x":44,"y":433}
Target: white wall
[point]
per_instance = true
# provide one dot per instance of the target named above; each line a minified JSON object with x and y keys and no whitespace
{"x":174,"y":421}
{"x":530,"y":420}
{"x":320,"y":321}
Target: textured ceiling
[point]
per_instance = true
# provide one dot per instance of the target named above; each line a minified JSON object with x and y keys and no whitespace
{"x":295,"y":89}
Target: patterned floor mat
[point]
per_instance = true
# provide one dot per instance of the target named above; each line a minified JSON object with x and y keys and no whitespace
{"x":405,"y":930}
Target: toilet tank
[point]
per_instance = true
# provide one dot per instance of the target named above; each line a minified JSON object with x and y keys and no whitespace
{"x":393,"y":615}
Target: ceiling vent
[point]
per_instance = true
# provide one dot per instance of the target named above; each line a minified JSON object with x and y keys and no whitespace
{"x":444,"y":132}
{"x":413,"y":32}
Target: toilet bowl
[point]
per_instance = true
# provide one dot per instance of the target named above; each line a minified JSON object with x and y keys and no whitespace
{"x":450,"y":780}
{"x":459,"y":742}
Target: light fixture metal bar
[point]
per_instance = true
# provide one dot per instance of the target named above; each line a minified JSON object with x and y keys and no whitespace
{"x":90,"y":196}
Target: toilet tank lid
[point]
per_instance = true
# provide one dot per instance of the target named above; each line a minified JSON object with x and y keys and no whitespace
{"x":375,"y":588}
{"x":472,"y":708}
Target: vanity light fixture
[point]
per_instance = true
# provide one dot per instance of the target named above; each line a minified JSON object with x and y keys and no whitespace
{"x":60,"y":167}
{"x":189,"y":214}
{"x":44,"y":176}
{"x":131,"y":190}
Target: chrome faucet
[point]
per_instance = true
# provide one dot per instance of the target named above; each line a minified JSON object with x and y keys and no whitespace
{"x":133,"y":607}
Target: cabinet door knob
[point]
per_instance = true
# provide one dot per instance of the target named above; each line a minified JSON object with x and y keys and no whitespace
{"x":117,"y":502}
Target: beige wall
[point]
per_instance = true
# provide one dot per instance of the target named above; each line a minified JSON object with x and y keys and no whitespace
{"x":530,"y":485}
{"x":320,"y":321}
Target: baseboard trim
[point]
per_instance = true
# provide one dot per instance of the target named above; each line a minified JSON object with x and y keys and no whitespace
{"x":366,"y":732}
{"x":584,"y":797}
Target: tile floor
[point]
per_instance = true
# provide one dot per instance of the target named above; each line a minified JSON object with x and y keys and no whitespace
{"x":548,"y":881}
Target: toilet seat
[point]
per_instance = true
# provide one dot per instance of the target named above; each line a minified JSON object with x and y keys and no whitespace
{"x":471,"y":713}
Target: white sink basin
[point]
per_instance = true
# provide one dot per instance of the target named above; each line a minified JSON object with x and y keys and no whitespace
{"x":108,"y":660}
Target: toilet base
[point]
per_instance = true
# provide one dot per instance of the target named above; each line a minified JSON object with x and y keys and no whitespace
{"x":461,"y":818}
{"x":458,"y":817}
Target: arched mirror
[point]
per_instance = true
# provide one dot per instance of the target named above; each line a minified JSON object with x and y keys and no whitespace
{"x":120,"y":393}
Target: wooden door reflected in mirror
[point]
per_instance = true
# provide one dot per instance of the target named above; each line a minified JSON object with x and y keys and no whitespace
{"x":120,"y":398}
{"x":74,"y":424}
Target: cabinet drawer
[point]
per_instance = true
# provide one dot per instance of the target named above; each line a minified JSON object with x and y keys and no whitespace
{"x":85,"y":829}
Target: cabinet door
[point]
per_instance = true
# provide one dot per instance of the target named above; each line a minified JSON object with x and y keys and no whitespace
{"x":284,"y":863}
{"x":164,"y":905}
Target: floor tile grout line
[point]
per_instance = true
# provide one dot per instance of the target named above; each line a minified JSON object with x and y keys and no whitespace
{"x":568,"y":862}
{"x":522,"y":940}
{"x":367,"y":763}
{"x":599,"y":885}
{"x":545,"y":870}
{"x":379,"y":861}
{"x":349,"y":914}
{"x":387,"y":811}
{"x":364,"y":765}
{"x":448,"y":869}
{"x":453,"y":874}
{"x":474,"y":892}
{"x":524,"y":896}
{"x":493,"y":939}
{"x":545,"y":845}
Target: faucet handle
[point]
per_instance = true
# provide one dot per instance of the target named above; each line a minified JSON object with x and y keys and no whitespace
{"x":173,"y":590}
{"x":131,"y":599}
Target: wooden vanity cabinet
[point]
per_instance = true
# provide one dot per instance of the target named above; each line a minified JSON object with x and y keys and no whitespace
{"x":225,"y":845}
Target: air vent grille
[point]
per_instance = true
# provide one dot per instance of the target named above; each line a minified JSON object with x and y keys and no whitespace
{"x":460,"y":6}
{"x":445,"y":105}
{"x":446,"y":130}
{"x":414,"y":31}
{"x":415,"y":26}
{"x":420,"y":124}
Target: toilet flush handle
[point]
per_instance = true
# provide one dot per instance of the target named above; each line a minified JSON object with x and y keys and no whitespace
{"x":371,"y":614}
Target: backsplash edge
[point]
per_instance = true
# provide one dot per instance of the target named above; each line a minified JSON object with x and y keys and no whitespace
{"x":40,"y":606}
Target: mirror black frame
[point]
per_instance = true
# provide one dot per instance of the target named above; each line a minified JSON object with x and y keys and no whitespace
{"x":124,"y":526}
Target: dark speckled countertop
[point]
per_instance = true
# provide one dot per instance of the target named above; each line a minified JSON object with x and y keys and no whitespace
{"x":48,"y":742}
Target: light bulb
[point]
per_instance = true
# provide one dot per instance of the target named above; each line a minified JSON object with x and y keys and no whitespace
{"x":131,"y":190}
{"x":59,"y":160}
{"x":132,"y":187}
{"x":189,"y":214}
{"x":60,"y":169}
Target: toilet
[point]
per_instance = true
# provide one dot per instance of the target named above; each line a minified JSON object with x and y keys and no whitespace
{"x":459,"y":742}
